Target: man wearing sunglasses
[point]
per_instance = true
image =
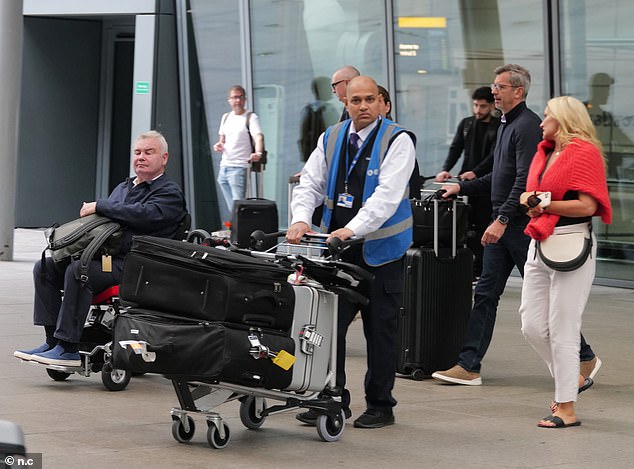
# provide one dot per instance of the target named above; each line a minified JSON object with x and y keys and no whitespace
{"x":339,"y":85}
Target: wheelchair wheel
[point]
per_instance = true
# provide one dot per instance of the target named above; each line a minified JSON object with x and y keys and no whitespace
{"x":57,"y":375}
{"x":114,"y":379}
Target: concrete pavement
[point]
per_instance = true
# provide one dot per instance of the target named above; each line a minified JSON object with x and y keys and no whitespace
{"x":78,"y":424}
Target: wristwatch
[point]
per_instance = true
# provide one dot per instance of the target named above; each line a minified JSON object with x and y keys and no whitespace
{"x":503,"y":219}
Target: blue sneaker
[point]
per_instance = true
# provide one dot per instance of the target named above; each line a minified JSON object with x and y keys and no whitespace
{"x":27,"y":354}
{"x":57,"y":356}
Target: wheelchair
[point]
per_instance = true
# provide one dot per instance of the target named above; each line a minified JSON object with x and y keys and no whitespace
{"x":96,"y":340}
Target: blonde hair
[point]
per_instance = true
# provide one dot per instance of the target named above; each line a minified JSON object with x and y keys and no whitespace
{"x":574,"y":121}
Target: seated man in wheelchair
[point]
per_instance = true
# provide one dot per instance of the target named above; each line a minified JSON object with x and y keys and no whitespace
{"x":150,"y":204}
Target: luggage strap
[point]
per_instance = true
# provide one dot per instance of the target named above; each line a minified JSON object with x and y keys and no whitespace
{"x":93,"y":247}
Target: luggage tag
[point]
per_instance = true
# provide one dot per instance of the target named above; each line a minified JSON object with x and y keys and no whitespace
{"x":284,"y":360}
{"x":106,"y":263}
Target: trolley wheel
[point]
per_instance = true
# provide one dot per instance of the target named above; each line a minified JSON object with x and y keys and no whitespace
{"x":57,"y":375}
{"x":330,"y":428}
{"x":417,"y":374}
{"x":178,"y":429}
{"x":115,"y":379}
{"x":248,"y":415}
{"x":213,"y":436}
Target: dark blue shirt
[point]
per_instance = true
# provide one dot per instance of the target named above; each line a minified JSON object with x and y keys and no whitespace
{"x":516,"y":144}
{"x":152,"y":208}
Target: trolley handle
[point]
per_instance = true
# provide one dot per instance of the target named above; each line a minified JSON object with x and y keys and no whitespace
{"x":259,"y":237}
{"x":336,"y":246}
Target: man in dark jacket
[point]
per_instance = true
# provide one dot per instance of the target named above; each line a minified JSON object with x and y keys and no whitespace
{"x":504,"y":241}
{"x":150,"y":204}
{"x":475,"y":137}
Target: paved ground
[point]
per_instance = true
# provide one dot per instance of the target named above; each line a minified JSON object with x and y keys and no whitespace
{"x":78,"y":424}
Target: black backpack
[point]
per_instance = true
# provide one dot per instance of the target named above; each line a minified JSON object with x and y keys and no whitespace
{"x":312,"y":125}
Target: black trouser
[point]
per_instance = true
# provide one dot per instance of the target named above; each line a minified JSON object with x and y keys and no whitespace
{"x":68,"y":312}
{"x":380,"y":322}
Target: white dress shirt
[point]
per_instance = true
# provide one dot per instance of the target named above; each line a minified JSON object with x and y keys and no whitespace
{"x":394,"y":176}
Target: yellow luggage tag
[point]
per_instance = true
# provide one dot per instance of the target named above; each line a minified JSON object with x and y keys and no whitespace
{"x":284,"y":360}
{"x":106,"y":263}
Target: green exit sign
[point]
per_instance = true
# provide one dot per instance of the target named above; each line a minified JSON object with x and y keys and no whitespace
{"x":142,"y":87}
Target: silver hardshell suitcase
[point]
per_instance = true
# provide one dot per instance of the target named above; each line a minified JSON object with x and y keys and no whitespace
{"x":313,"y":330}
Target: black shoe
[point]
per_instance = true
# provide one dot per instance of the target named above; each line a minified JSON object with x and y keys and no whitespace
{"x":373,"y":418}
{"x":310,"y":416}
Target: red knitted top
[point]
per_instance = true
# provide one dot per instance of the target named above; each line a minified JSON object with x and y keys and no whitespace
{"x":578,"y":168}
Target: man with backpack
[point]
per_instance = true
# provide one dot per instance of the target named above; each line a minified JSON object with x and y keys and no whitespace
{"x":150,"y":204}
{"x":241,"y":143}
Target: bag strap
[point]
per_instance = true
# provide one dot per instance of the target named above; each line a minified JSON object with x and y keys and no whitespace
{"x":93,"y":247}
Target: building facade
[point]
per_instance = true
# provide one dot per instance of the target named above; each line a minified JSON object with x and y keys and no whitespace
{"x":97,"y":72}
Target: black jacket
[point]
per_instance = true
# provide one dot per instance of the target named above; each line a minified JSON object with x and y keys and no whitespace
{"x":480,"y":159}
{"x":516,"y":144}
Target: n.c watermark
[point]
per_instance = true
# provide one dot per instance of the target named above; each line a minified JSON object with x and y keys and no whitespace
{"x":29,"y":460}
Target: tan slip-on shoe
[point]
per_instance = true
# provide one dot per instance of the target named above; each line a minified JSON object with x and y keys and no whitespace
{"x":458,"y":375}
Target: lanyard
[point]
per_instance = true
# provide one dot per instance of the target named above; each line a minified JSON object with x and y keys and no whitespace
{"x":357,"y":155}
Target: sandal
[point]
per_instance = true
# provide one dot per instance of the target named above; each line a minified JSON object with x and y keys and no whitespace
{"x":558,"y":422}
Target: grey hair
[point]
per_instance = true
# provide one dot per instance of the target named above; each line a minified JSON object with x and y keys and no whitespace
{"x":518,"y":76}
{"x":157,"y":135}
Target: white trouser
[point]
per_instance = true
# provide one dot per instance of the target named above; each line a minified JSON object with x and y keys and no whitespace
{"x":551,"y":310}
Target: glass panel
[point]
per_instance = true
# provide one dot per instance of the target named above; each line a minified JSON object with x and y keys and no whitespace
{"x":597,"y":66}
{"x":296,"y":48}
{"x":450,"y":51}
{"x":218,"y":51}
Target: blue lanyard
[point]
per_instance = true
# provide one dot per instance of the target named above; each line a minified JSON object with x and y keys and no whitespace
{"x":351,"y":166}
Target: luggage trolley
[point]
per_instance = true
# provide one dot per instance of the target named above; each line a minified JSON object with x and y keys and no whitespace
{"x":317,"y":283}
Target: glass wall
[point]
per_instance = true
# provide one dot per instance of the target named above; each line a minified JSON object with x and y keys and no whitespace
{"x":597,"y":52}
{"x":446,"y":49}
{"x":439,"y":52}
{"x":296,"y":48}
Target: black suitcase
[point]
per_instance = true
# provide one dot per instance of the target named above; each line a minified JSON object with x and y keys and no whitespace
{"x":250,"y":215}
{"x":206,"y":283}
{"x":187,"y":349}
{"x":424,"y":213}
{"x":433,"y":320}
{"x":437,"y":302}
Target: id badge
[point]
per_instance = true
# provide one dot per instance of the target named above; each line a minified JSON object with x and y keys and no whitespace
{"x":345,"y":200}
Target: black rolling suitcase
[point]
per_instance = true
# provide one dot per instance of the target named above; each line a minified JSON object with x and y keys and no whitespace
{"x":437,"y":304}
{"x":250,"y":215}
{"x":206,"y":283}
{"x":183,"y":348}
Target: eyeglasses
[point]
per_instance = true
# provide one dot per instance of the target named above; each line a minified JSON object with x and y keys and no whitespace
{"x":334,"y":85}
{"x":500,"y":86}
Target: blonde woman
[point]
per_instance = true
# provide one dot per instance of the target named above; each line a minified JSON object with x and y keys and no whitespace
{"x":569,"y":165}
